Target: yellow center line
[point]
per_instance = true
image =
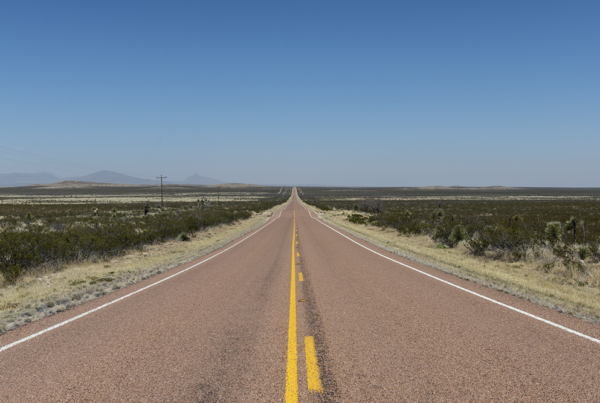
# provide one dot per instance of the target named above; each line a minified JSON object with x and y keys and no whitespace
{"x":300,"y":277}
{"x":291,"y":378}
{"x":297,"y":254}
{"x":312,"y":367}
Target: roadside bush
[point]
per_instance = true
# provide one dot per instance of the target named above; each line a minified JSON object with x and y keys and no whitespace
{"x":79,"y":237}
{"x":357,"y":219}
{"x":318,"y":205}
{"x":442,"y":234}
{"x":478,"y":244}
{"x":509,"y":228}
{"x":371,"y":204}
{"x":553,"y":231}
{"x":584,"y":252}
{"x":571,"y":226}
{"x":569,"y":257}
{"x":457,"y":235}
{"x":437,"y":214}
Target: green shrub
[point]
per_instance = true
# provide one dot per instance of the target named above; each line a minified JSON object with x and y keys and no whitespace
{"x":458,"y":234}
{"x":571,"y":226}
{"x":357,"y":219}
{"x":500,"y":225}
{"x":11,"y":272}
{"x":437,"y":214}
{"x":183,"y":237}
{"x":553,"y":231}
{"x":478,"y":244}
{"x":584,"y":252}
{"x":94,"y":280}
{"x":319,"y":205}
{"x":70,"y":233}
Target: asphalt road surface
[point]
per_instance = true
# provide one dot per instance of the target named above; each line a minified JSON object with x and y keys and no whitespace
{"x":298,"y":311}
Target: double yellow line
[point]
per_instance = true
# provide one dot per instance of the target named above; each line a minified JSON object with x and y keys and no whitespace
{"x":312,"y":367}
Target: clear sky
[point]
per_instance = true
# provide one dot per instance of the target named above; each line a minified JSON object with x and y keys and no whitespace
{"x":365,"y":93}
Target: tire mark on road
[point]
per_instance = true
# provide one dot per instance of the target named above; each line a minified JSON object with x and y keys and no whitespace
{"x":317,"y":330}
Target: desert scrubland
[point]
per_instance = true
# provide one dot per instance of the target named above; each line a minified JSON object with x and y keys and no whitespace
{"x":62,"y":247}
{"x":541,"y":244}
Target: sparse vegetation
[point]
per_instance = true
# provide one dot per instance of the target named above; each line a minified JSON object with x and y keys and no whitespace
{"x":357,"y":218}
{"x":457,"y":235}
{"x":73,"y":232}
{"x":500,"y":227}
{"x":555,"y":232}
{"x":584,"y":252}
{"x":66,"y":285}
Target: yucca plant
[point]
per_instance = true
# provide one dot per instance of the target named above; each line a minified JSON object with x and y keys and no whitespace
{"x":553,"y":231}
{"x":437,"y":214}
{"x":458,"y":234}
{"x":572,"y":226}
{"x":584,"y":252}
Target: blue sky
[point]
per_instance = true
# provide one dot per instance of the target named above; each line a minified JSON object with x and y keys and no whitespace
{"x":380,"y":93}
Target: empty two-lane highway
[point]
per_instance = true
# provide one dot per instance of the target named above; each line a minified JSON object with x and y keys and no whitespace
{"x":299,"y":311}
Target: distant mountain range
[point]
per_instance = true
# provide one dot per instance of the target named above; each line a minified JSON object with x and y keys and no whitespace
{"x":21,"y":179}
{"x":17,"y":179}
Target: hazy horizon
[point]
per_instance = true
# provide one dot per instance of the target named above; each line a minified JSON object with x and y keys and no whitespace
{"x":336,"y":94}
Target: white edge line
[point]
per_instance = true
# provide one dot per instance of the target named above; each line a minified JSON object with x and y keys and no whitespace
{"x":461,"y":288}
{"x":132,"y":293}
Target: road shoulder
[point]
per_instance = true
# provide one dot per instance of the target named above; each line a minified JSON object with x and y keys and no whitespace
{"x":44,"y":294}
{"x":512,"y":278}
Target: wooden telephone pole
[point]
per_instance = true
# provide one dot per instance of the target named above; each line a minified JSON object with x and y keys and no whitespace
{"x":161,"y":189}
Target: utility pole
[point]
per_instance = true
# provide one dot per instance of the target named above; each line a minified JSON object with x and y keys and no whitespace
{"x":161,"y":189}
{"x":218,"y":195}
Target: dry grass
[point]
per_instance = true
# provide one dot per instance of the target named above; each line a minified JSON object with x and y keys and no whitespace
{"x":45,"y":293}
{"x":125,"y":199}
{"x":437,"y":198}
{"x":539,"y":278}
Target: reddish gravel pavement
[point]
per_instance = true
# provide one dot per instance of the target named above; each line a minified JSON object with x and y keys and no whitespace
{"x":382,"y":332}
